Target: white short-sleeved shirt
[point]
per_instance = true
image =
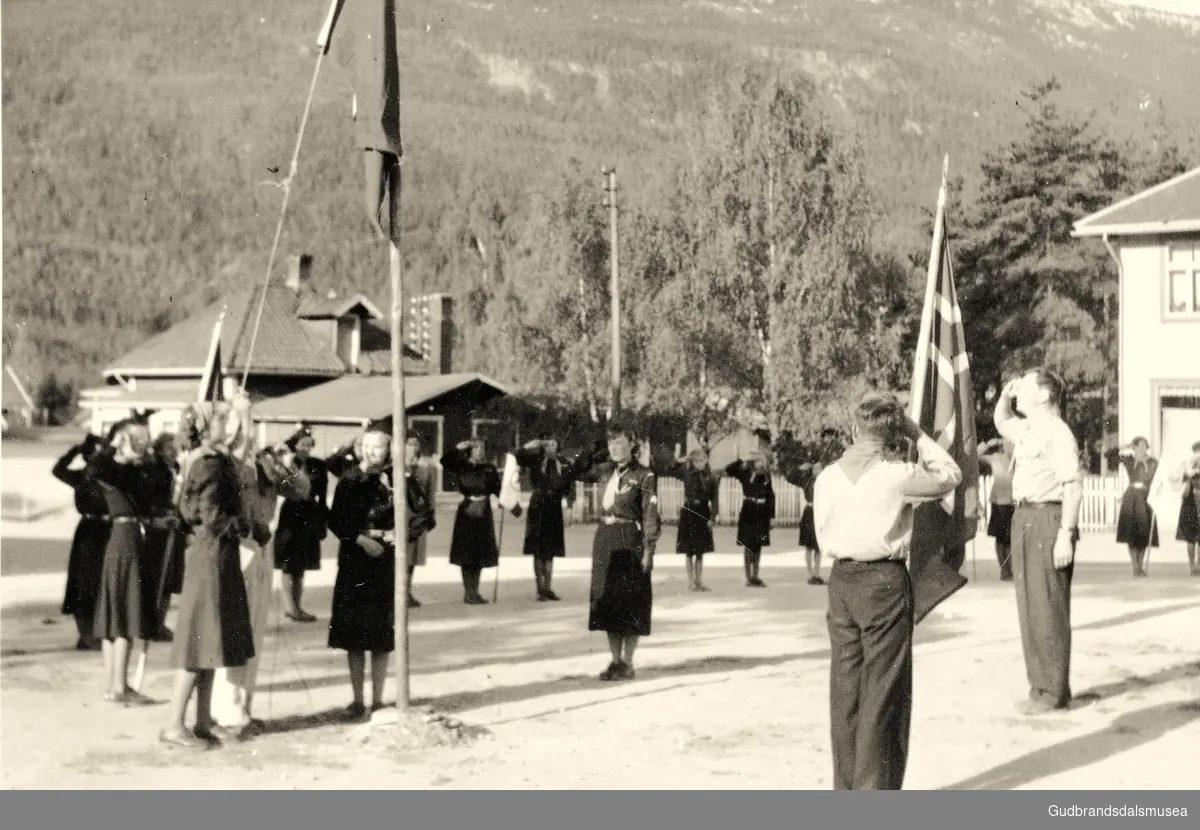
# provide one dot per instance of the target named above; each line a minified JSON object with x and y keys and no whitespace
{"x":1045,"y":459}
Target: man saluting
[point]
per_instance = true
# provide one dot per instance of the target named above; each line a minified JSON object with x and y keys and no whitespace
{"x":863,"y":510}
{"x":1047,"y":490}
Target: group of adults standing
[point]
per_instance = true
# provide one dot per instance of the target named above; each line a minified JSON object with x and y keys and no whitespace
{"x":1137,"y":524}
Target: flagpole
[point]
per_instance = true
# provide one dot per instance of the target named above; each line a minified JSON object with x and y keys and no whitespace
{"x":921,"y":358}
{"x":399,"y":483}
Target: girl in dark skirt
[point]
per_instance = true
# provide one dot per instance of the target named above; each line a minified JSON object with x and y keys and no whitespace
{"x":701,"y":489}
{"x":1136,"y":526}
{"x":213,"y":630}
{"x":363,"y":617}
{"x":162,"y":554}
{"x":473,"y":542}
{"x":545,"y":530}
{"x":302,"y":526}
{"x":122,"y":615}
{"x":87,"y":547}
{"x":424,"y":474}
{"x":757,"y":513}
{"x":996,"y":460}
{"x":1189,"y":509}
{"x":805,"y":477}
{"x":622,"y":599}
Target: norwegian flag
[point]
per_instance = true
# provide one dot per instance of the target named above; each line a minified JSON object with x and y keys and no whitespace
{"x":943,"y":405}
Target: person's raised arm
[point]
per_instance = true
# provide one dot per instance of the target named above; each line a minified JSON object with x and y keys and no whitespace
{"x":1008,"y":424}
{"x":935,"y":474}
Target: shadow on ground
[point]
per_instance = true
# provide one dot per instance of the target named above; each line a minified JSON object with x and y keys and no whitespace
{"x":1125,"y":733}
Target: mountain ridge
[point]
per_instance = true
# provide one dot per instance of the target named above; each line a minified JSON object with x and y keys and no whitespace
{"x":138,"y":141}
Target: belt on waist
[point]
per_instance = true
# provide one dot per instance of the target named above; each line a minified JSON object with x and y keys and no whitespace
{"x":96,"y":517}
{"x":1137,"y":485}
{"x":1028,"y":503}
{"x":699,"y":502}
{"x":849,"y":560}
{"x":126,"y":520}
{"x":614,"y":520}
{"x":755,"y":501}
{"x":475,"y":498}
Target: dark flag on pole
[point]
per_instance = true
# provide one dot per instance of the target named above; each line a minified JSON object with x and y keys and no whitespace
{"x":211,"y":382}
{"x":943,"y":405}
{"x":376,"y":60}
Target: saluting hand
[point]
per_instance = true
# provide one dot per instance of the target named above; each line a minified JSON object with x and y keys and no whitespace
{"x":1064,"y":549}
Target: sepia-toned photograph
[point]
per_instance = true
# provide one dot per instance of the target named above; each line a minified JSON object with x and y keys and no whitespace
{"x":622,"y":395}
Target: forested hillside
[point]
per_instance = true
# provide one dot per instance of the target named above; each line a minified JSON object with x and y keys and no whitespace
{"x":141,"y":139}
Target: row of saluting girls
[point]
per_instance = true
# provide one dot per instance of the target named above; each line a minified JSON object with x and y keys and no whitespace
{"x":474,"y":546}
{"x":222,"y":511}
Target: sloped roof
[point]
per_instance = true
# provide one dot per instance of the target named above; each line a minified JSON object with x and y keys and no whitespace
{"x":15,"y":396}
{"x":339,"y":307}
{"x":359,"y":398}
{"x":285,"y":344}
{"x":1170,"y":207}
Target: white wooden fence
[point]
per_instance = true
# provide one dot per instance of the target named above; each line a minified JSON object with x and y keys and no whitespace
{"x":1101,"y":501}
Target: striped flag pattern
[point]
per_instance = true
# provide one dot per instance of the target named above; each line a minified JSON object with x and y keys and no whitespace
{"x":947,"y":412}
{"x":943,"y":405}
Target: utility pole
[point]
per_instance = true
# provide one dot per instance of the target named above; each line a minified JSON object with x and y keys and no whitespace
{"x":610,"y":201}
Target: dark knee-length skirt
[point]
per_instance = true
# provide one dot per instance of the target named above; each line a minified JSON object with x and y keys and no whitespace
{"x":808,"y":529}
{"x":622,"y":600}
{"x":1000,"y":523}
{"x":1189,"y":518}
{"x":754,"y":527}
{"x":545,"y":534}
{"x":298,"y":537}
{"x":213,"y":628}
{"x":162,"y":551}
{"x":121,"y":611}
{"x":473,"y":542}
{"x":695,"y":534}
{"x":363,"y":617}
{"x":1136,"y":526}
{"x":85,"y":566}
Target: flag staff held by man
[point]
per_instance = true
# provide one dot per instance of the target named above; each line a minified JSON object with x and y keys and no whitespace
{"x":863,"y":510}
{"x":878,"y":514}
{"x":1047,"y":490}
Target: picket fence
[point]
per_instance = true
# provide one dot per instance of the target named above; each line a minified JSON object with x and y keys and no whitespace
{"x":1101,"y":501}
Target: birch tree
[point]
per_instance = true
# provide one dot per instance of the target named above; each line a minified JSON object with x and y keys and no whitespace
{"x":793,"y":196}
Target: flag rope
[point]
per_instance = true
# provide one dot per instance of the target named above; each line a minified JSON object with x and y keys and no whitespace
{"x":286,"y":186}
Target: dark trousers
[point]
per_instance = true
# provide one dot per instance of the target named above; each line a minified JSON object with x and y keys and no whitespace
{"x":1043,"y":602}
{"x":870,"y":620}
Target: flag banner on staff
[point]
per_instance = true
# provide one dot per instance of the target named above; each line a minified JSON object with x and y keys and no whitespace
{"x":944,"y":408}
{"x":1165,"y":494}
{"x":375,"y":35}
{"x":211,"y":382}
{"x":510,"y":483}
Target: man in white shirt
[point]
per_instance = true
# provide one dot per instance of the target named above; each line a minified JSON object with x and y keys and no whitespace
{"x":1047,"y":489}
{"x":863,"y":510}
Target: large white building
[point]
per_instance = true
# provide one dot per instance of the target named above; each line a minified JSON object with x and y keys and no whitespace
{"x":1155,"y":238}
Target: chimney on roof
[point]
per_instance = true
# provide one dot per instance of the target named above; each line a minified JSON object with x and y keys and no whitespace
{"x":299,"y":271}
